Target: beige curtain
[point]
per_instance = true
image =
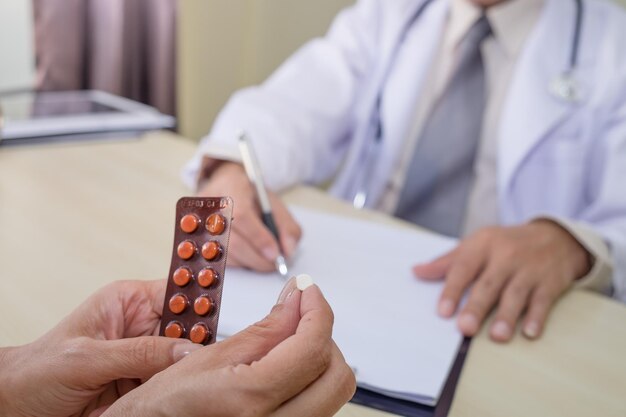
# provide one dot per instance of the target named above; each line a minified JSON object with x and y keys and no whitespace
{"x":126,"y":47}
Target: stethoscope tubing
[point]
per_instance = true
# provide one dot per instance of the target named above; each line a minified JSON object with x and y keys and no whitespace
{"x":360,"y":195}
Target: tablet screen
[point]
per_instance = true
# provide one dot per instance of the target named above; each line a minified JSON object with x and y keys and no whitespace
{"x":52,"y":114}
{"x":28,"y":106}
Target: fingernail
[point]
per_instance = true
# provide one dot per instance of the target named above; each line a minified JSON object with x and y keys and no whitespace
{"x":270,"y":254}
{"x":446,"y":308}
{"x":468,"y":323}
{"x":304,"y":281}
{"x":288,"y":289}
{"x":501,"y":330}
{"x":184,"y":348}
{"x":531,"y":330}
{"x":290,"y":245}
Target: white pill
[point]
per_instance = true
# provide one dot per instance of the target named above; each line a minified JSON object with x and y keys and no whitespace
{"x":304,"y":281}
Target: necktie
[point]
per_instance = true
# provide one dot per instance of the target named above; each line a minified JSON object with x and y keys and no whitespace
{"x":440,"y":174}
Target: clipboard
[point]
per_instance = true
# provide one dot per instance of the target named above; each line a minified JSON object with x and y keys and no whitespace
{"x":381,"y":402}
{"x":413,"y":370}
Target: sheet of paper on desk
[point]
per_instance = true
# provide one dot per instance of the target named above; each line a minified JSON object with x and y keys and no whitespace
{"x":385,"y":321}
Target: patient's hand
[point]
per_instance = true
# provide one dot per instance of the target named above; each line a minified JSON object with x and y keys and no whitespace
{"x":101,"y":351}
{"x":95,"y":360}
{"x":285,"y":365}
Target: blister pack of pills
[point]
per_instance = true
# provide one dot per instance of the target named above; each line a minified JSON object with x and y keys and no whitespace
{"x":196,"y":278}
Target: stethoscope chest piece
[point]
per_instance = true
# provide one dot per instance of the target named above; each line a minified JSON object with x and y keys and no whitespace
{"x":566,"y":88}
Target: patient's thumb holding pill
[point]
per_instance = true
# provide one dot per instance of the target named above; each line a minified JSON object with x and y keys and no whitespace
{"x":288,"y":289}
{"x":301,"y":283}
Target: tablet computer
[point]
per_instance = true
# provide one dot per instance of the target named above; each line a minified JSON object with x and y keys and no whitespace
{"x":56,"y":114}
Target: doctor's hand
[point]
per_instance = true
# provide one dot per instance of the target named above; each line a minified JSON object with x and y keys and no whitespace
{"x":285,"y":365}
{"x":518,"y":270}
{"x":252,"y":245}
{"x":101,"y":351}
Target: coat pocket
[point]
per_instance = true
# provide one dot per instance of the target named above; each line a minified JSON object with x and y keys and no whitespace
{"x":552,"y":178}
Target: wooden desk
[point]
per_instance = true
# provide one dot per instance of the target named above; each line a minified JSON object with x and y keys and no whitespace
{"x":74,"y":217}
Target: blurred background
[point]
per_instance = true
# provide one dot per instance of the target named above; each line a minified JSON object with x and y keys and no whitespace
{"x":184,"y":57}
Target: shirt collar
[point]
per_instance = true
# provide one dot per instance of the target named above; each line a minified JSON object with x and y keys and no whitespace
{"x":511,"y":21}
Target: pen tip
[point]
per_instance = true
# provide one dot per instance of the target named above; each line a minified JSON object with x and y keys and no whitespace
{"x":281,"y":266}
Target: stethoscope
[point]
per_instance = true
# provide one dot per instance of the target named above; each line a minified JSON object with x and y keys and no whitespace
{"x":564,"y":87}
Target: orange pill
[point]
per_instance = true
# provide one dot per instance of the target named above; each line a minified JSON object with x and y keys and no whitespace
{"x":203,"y":305}
{"x":207,"y":277}
{"x":186,"y":249}
{"x":189,"y":223}
{"x":174,"y":330}
{"x":199,"y":333}
{"x":181,"y":276}
{"x":211,"y":250}
{"x":215,"y":224}
{"x":178,"y":303}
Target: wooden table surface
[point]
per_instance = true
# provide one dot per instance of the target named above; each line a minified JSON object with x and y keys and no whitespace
{"x":74,"y":217}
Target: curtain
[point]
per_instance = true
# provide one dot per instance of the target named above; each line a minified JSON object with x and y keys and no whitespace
{"x":125,"y":47}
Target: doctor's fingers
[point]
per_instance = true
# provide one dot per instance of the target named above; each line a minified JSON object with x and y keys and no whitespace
{"x":288,"y":228}
{"x":466,"y":265}
{"x":483,"y":297}
{"x":243,"y":254}
{"x":326,"y":395}
{"x":513,"y":301}
{"x":251,"y":235}
{"x":542,"y":301}
{"x":436,"y":269}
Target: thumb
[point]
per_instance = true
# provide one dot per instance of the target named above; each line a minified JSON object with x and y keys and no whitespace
{"x":137,"y":358}
{"x":257,"y":340}
{"x":99,"y":411}
{"x":435,"y":269}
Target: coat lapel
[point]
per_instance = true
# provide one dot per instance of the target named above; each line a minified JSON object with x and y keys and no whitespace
{"x":412,"y":67}
{"x":398,"y":19}
{"x":532,"y":111}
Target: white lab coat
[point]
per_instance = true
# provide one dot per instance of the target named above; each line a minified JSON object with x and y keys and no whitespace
{"x":555,"y":158}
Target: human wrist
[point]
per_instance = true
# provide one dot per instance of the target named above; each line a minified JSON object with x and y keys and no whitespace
{"x":228,"y":168}
{"x":3,"y":379}
{"x":7,"y":380}
{"x":137,"y":403}
{"x":212,"y":168}
{"x":227,"y":176}
{"x":122,"y":407}
{"x":582,"y":260}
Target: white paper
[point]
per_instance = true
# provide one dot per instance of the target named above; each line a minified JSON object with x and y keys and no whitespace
{"x":385,"y":319}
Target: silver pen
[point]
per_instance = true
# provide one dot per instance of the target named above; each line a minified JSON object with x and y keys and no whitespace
{"x":1,"y":122}
{"x":251,"y":165}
